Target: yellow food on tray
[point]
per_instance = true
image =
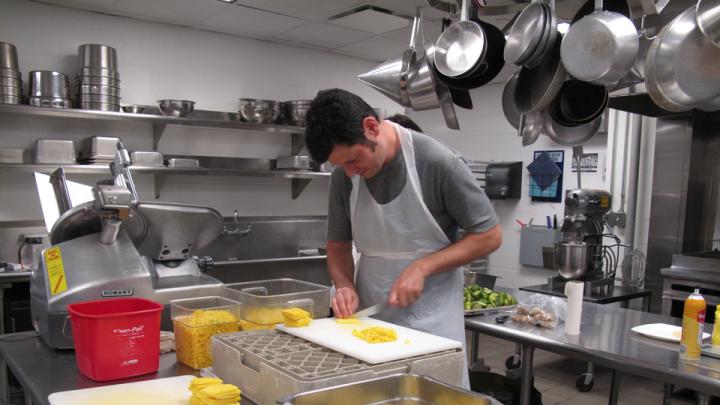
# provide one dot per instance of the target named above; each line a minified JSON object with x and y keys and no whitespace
{"x":201,"y":382}
{"x":212,"y":391}
{"x":347,"y":321}
{"x":295,"y":314}
{"x":296,"y":317}
{"x":193,"y":333}
{"x":264,"y":315}
{"x":376,"y":334}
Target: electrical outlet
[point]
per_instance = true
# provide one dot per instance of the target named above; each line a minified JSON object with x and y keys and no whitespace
{"x":616,"y":219}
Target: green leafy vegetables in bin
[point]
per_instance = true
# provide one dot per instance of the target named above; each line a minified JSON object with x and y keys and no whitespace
{"x":476,"y":297}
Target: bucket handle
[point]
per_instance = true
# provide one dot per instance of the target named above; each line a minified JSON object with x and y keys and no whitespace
{"x":65,"y":325}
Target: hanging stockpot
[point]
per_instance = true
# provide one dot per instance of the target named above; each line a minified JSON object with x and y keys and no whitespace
{"x":601,"y":47}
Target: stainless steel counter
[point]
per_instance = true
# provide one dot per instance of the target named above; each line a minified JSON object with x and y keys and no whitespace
{"x":42,"y":371}
{"x":606,"y":339}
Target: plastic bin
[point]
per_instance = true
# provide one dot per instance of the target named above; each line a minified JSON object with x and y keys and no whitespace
{"x":116,"y":338}
{"x":195,"y":321}
{"x":264,"y":300}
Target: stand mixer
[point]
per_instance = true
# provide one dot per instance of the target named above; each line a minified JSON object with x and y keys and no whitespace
{"x":579,"y":255}
{"x":117,"y":246}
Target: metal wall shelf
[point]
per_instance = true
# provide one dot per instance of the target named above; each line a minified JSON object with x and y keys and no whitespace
{"x":198,"y":118}
{"x":300,"y":179}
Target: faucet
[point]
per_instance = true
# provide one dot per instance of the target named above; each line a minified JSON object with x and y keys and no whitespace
{"x":235,"y":230}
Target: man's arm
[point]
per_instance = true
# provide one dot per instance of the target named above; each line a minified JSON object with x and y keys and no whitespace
{"x":409,"y":285}
{"x":341,"y":268}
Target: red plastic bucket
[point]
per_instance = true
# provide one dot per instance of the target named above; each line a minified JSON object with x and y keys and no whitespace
{"x":116,"y":338}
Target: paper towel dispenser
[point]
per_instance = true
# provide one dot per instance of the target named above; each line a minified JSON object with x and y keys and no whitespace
{"x":503,"y":180}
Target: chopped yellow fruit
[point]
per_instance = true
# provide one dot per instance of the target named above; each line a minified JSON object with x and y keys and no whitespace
{"x":298,"y":323}
{"x":201,"y":382}
{"x":195,"y":400}
{"x":295,"y":314}
{"x":264,"y":315}
{"x":221,"y":391}
{"x":376,"y":334}
{"x":347,"y":321}
{"x":193,"y":333}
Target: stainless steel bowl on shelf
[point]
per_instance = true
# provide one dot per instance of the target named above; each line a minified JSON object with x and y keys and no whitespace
{"x":97,"y":81}
{"x":259,"y":111}
{"x":98,"y":89}
{"x":49,"y":102}
{"x":88,"y":105}
{"x":573,"y":260}
{"x":294,"y":111}
{"x":176,"y":108}
{"x":133,"y":109}
{"x":98,"y":98}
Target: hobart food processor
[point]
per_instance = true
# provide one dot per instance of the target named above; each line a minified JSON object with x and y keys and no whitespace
{"x":117,"y":246}
{"x":580,"y":254}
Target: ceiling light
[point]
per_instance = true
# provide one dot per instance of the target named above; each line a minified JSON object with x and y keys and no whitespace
{"x":563,"y":28}
{"x":227,"y":1}
{"x":371,"y":19}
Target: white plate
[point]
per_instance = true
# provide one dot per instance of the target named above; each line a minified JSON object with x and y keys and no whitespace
{"x":662,"y":331}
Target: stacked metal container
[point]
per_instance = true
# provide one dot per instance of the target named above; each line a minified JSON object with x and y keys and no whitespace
{"x":49,"y":89}
{"x":10,"y":82}
{"x":98,"y":80}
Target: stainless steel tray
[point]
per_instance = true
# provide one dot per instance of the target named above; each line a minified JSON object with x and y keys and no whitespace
{"x":394,"y":389}
{"x":489,"y":311}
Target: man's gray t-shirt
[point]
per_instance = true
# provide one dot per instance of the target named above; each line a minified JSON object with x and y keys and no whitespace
{"x":449,"y":190}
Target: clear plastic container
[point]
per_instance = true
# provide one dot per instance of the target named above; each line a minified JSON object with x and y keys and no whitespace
{"x":196,"y":320}
{"x":264,"y":300}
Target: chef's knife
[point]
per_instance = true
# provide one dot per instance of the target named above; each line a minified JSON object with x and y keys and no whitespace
{"x":370,"y":311}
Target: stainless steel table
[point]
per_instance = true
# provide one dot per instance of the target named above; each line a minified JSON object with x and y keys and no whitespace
{"x":605,"y":339}
{"x":42,"y":371}
{"x":620,"y":294}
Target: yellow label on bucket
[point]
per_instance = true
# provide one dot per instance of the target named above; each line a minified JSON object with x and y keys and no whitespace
{"x":56,"y":272}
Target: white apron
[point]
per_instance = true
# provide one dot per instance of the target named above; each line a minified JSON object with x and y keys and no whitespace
{"x":391,"y":236}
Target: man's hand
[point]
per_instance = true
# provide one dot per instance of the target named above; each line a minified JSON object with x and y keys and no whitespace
{"x":345,"y":302}
{"x":408,"y":286}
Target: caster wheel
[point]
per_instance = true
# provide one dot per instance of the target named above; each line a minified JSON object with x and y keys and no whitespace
{"x":585,"y":382}
{"x":512,"y":362}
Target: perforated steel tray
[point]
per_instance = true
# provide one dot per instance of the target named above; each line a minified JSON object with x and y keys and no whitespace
{"x":257,"y":360}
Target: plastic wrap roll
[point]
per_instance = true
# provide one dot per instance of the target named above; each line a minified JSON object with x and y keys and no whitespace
{"x":574,"y":292}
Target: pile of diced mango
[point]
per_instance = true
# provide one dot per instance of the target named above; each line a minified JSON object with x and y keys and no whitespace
{"x":296,"y":317}
{"x":212,"y":391}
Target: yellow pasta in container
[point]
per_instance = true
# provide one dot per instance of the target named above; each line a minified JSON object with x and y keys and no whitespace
{"x":376,"y":334}
{"x":196,"y":321}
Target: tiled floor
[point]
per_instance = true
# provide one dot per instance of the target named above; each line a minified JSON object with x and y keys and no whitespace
{"x":555,"y":377}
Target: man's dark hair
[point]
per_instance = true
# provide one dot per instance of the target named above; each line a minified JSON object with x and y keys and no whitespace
{"x":404,"y":121}
{"x":335,"y":117}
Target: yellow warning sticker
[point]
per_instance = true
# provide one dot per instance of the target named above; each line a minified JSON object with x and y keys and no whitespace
{"x":56,"y":272}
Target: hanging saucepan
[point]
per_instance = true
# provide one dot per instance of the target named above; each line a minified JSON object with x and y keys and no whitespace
{"x":537,"y":88}
{"x":427,"y":91}
{"x":508,"y":102}
{"x":408,"y":62}
{"x":578,"y":103}
{"x":461,"y":48}
{"x":708,"y":19}
{"x":615,"y":6}
{"x":460,"y":97}
{"x":681,"y":65}
{"x":601,"y":47}
{"x":570,"y":135}
{"x":492,"y":65}
{"x":525,"y":34}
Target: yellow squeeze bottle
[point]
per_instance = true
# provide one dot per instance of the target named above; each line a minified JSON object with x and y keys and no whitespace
{"x":716,"y":328}
{"x":693,"y":325}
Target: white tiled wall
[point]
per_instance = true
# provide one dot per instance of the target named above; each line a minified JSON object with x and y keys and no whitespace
{"x":487,"y":136}
{"x":166,"y":61}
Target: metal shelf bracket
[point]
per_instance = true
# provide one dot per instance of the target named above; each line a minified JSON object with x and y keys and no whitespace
{"x":158,"y":131}
{"x":298,"y":185}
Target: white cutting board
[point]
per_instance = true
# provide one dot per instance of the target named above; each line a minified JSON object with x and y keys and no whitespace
{"x":662,"y":331}
{"x":328,"y":333}
{"x":162,"y":391}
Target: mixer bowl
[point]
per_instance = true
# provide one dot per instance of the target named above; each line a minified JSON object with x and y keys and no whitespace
{"x":573,"y":260}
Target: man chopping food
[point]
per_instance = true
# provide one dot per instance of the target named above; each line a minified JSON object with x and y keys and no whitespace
{"x":400,"y":197}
